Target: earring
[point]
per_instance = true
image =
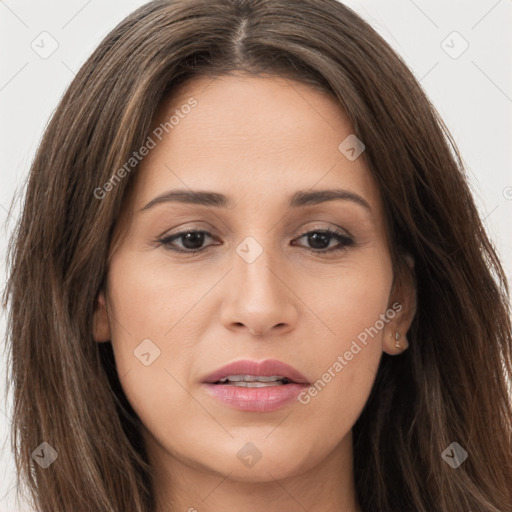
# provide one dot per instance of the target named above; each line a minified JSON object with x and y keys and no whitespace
{"x":397,"y":337}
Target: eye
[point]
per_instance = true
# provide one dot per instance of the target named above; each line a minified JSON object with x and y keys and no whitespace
{"x":320,"y":240}
{"x":191,"y":240}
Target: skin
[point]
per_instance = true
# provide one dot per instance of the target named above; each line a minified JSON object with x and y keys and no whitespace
{"x":257,"y":140}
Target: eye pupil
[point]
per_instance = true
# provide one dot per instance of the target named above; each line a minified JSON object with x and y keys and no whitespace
{"x":193,"y":240}
{"x":324,"y":239}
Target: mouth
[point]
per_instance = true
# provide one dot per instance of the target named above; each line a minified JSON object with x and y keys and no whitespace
{"x":254,"y":386}
{"x":250,"y":373}
{"x":254,"y":381}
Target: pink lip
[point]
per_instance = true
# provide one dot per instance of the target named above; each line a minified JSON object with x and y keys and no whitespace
{"x":262,"y":399}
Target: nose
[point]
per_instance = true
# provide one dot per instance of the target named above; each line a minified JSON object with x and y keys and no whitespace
{"x":258,"y":298}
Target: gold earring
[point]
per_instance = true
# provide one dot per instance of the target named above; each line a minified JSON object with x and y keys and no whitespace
{"x":397,"y":337}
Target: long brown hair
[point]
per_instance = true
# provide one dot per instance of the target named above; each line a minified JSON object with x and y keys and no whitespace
{"x":450,"y":385}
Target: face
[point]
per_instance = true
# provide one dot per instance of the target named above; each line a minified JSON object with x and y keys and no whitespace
{"x":251,"y":238}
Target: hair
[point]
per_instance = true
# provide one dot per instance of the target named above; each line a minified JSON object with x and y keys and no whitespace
{"x":450,"y":385}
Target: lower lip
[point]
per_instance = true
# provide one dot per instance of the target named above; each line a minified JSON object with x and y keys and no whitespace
{"x":262,"y":399}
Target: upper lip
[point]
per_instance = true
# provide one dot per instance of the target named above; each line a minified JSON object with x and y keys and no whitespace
{"x":266,"y":368}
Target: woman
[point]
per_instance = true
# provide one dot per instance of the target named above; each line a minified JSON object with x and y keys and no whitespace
{"x":258,"y":279}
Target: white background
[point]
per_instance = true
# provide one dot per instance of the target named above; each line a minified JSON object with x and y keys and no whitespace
{"x":473,"y":94}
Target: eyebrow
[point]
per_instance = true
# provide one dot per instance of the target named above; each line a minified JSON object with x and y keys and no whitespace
{"x":298,"y":199}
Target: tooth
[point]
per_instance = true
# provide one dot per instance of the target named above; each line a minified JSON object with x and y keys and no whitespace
{"x":256,"y":384}
{"x":252,"y":378}
{"x":242,"y":379}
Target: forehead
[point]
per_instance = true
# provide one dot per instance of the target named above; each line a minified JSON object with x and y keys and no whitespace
{"x":267,"y":136}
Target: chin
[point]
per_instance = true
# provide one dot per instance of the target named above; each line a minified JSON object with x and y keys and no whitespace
{"x":263,"y":461}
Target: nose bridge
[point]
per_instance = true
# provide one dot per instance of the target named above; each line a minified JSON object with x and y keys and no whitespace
{"x":252,"y":268}
{"x":258,"y":297}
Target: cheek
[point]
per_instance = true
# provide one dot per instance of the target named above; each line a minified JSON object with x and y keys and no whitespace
{"x":350,"y":299}
{"x":354,"y":306}
{"x":153,"y":338}
{"x":149,"y":299}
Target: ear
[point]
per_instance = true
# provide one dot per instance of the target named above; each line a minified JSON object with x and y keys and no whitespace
{"x":403,"y":303}
{"x":101,"y":325}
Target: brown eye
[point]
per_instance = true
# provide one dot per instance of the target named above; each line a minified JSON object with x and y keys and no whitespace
{"x":191,"y":241}
{"x":320,"y":240}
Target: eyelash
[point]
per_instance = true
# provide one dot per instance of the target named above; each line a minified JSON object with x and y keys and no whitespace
{"x":345,"y":241}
